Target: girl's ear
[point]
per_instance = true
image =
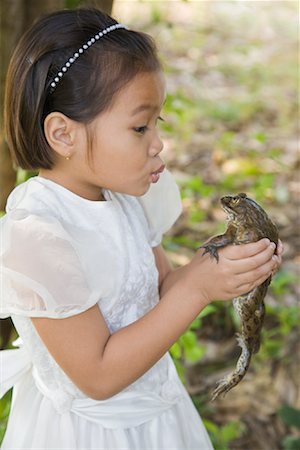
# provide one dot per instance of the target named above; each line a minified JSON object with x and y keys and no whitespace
{"x":60,"y":133}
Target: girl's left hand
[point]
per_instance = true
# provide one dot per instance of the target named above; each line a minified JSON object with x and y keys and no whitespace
{"x":278,"y":257}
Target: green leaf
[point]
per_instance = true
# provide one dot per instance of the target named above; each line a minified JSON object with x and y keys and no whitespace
{"x":291,"y":443}
{"x":195,"y":353}
{"x":230,"y":431}
{"x":210,"y":426}
{"x":290,"y":416}
{"x":175,"y":350}
{"x":261,"y":137}
{"x":209,"y":309}
{"x":282,"y":282}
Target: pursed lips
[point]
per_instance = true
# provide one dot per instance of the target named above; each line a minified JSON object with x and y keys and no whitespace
{"x":159,"y":170}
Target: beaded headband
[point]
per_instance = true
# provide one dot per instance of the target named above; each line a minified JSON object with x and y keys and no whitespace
{"x":76,"y":55}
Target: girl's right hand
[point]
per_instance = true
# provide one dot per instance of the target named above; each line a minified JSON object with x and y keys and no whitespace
{"x":239,"y":270}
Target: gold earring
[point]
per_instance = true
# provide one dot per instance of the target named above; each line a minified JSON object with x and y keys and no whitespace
{"x":68,"y":157}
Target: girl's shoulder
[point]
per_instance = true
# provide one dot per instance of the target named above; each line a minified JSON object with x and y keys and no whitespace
{"x":30,"y":198}
{"x":32,"y":215}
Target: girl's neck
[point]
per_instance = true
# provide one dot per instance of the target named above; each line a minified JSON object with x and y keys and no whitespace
{"x":88,"y":192}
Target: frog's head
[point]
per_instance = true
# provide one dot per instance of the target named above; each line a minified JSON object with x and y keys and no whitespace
{"x":239,"y":206}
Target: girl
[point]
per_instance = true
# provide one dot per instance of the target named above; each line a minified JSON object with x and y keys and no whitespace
{"x":83,"y":269}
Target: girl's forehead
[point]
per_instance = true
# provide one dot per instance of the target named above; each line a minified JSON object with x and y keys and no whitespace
{"x":146,"y":91}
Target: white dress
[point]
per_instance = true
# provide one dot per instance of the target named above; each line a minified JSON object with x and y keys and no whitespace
{"x":61,"y":254}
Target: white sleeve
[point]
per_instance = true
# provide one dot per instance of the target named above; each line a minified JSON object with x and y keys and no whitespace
{"x":41,"y":272}
{"x":162,"y":206}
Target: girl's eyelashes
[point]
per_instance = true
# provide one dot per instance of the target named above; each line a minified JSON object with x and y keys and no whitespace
{"x":141,"y":130}
{"x":144,"y":128}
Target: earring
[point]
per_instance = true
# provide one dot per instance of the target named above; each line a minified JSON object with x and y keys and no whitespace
{"x":68,"y":157}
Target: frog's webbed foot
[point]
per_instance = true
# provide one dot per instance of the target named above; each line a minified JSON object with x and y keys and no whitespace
{"x":231,"y":380}
{"x":216,"y":243}
{"x":223,"y":386}
{"x":211,"y":249}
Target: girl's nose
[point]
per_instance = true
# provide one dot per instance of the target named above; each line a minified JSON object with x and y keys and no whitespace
{"x":156,"y":146}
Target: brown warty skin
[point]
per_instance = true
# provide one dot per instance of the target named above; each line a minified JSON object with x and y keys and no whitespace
{"x":247,"y":222}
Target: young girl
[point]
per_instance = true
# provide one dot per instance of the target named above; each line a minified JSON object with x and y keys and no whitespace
{"x":85,"y":280}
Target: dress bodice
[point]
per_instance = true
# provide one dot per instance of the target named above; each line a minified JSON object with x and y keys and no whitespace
{"x":112,"y":241}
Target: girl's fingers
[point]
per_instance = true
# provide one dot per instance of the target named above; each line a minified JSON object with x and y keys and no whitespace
{"x":251,"y":272}
{"x":277,"y":260}
{"x":248,"y":281}
{"x":247,"y":287}
{"x":250,"y":263}
{"x":280,"y":249}
{"x":243,"y":251}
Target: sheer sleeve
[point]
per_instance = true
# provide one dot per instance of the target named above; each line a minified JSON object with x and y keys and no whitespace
{"x":162,"y":206}
{"x":41,"y":272}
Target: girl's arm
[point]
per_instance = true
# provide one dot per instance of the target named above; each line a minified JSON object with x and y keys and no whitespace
{"x":102,"y":364}
{"x":167,"y":275}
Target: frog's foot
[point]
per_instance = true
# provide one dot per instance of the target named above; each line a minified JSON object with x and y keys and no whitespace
{"x":223,"y":386}
{"x":227,"y":383}
{"x":211,"y":249}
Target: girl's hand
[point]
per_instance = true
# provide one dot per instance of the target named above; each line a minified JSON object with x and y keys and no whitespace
{"x":278,"y":257}
{"x":240,"y":269}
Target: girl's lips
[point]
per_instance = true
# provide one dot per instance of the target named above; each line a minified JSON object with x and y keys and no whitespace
{"x":160,"y":170}
{"x":154,"y":176}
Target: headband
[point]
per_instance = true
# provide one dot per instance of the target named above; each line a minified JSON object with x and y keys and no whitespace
{"x":76,"y":55}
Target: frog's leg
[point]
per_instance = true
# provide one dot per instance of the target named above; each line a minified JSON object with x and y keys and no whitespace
{"x":217,"y":242}
{"x":231,"y":380}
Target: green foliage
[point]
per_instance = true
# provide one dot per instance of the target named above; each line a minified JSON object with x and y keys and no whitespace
{"x":179,"y":113}
{"x":24,"y":175}
{"x":291,"y":417}
{"x":283,"y":282}
{"x":195,"y":187}
{"x":187,"y":348}
{"x":291,"y":443}
{"x":222,"y":436}
{"x":283,"y":320}
{"x":5,"y":403}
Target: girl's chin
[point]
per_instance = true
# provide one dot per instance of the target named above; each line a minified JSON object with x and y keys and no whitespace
{"x":137,"y":191}
{"x":142,"y":190}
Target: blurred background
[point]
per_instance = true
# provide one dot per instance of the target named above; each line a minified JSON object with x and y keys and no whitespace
{"x":231,"y":125}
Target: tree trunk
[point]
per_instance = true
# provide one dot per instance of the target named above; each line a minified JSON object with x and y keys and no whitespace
{"x":10,"y":31}
{"x":103,"y":5}
{"x":33,"y":9}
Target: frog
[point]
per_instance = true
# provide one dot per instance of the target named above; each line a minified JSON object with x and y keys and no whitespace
{"x":247,"y":222}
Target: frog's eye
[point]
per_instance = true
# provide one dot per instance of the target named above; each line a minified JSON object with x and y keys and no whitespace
{"x":235,"y":200}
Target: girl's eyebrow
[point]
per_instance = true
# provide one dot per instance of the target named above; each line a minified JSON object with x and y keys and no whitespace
{"x":145,"y":107}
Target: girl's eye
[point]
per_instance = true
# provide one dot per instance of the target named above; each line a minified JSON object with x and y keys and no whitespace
{"x":141,"y":130}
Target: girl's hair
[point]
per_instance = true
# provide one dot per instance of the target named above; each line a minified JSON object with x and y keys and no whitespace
{"x":86,"y":89}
